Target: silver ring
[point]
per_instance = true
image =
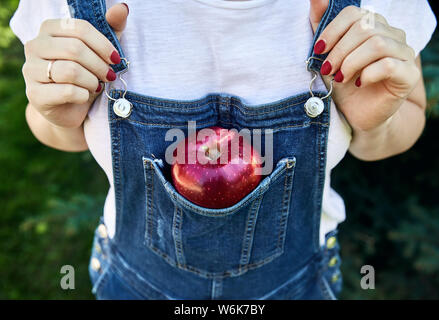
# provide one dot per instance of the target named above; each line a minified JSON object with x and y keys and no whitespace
{"x":49,"y":70}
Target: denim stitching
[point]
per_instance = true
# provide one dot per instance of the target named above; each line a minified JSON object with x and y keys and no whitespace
{"x":229,"y":273}
{"x":141,"y":98}
{"x":217,"y":286}
{"x":213,"y":97}
{"x":176,"y":233}
{"x":322,"y":149}
{"x":316,"y":220}
{"x":134,"y":290}
{"x":100,"y":282}
{"x":117,"y":179}
{"x":249,"y":231}
{"x":172,"y":108}
{"x":164,"y":125}
{"x":173,"y":194}
{"x":326,"y":289}
{"x":206,"y":274}
{"x":285,"y":207}
{"x":266,"y":112}
{"x":291,"y":126}
{"x":209,"y":275}
{"x":149,"y":205}
{"x":106,"y":30}
{"x":136,"y":274}
{"x":210,"y":98}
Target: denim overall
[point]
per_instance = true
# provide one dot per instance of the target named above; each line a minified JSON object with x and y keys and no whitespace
{"x":264,"y":247}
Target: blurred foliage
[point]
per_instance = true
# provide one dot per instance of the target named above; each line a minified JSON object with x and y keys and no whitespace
{"x":393,"y":211}
{"x":50,"y":202}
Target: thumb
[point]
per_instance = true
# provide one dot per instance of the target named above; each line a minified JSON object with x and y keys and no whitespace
{"x":117,"y":17}
{"x":317,"y":10}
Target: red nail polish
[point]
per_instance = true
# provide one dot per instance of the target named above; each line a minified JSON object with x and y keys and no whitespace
{"x":326,"y":68}
{"x":320,"y":47}
{"x":115,"y":57}
{"x":99,"y":88}
{"x":358,"y":82}
{"x":339,"y":76}
{"x":128,"y":8}
{"x":111,"y":75}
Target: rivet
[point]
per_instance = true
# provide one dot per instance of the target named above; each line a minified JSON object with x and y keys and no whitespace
{"x":330,"y":243}
{"x":95,"y":264}
{"x":102,"y":230}
{"x":333,"y":261}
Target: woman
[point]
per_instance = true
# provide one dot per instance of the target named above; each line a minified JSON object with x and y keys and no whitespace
{"x":237,"y":64}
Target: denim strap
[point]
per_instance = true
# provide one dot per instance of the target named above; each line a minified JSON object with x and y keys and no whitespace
{"x":334,"y":8}
{"x":94,"y":12}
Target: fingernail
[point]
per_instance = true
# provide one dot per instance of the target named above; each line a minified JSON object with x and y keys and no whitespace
{"x":128,"y":8}
{"x":339,"y":76}
{"x":111,"y":75}
{"x":320,"y":47}
{"x":99,"y":87}
{"x":326,"y":68}
{"x":358,"y":82}
{"x":115,"y":57}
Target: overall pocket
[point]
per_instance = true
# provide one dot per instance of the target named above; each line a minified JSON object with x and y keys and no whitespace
{"x":217,"y":242}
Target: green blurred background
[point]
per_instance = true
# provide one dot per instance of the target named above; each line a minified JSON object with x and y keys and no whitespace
{"x":50,"y":202}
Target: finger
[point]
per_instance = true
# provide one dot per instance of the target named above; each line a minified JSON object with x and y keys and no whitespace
{"x":55,"y":48}
{"x":374,"y":49}
{"x":50,"y":94}
{"x":84,"y":31}
{"x":117,"y":17}
{"x":63,"y":71}
{"x":317,"y":10}
{"x":337,"y":28}
{"x":403,"y":75}
{"x":354,"y":38}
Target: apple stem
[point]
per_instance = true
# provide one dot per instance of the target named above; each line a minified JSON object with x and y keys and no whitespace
{"x":211,"y":153}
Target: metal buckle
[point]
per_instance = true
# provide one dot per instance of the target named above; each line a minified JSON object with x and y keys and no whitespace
{"x":121,"y":79}
{"x":315,"y":75}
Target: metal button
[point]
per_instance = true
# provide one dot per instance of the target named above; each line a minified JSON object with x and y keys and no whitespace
{"x":330,"y":243}
{"x":122,"y":107}
{"x":291,"y":164}
{"x":95,"y":264}
{"x":333,"y":261}
{"x":334,"y":278}
{"x":98,"y":248}
{"x":102,"y":230}
{"x":314,"y":107}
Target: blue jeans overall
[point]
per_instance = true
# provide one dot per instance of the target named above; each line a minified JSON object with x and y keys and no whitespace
{"x":264,"y":247}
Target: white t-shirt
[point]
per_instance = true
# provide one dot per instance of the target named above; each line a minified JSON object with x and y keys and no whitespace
{"x":255,"y":49}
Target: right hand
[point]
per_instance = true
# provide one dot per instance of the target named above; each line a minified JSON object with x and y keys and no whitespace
{"x":82,"y":57}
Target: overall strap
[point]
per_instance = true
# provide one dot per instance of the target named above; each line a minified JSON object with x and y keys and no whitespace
{"x":334,"y":8}
{"x":94,"y":12}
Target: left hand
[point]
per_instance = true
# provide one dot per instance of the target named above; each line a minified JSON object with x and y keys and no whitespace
{"x":375,"y":70}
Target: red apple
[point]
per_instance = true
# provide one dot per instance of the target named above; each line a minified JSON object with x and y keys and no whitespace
{"x":220,"y":174}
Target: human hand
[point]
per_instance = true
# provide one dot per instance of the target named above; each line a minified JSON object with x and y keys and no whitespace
{"x":375,"y":69}
{"x":81,"y":58}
